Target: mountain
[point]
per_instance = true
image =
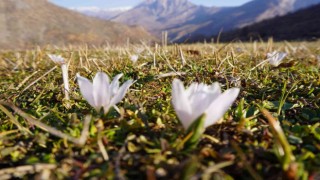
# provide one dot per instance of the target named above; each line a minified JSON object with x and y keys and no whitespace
{"x":25,"y":23}
{"x":105,"y":14}
{"x":185,"y":21}
{"x":300,"y":25}
{"x":163,"y":15}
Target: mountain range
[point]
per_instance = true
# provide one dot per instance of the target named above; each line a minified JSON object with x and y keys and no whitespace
{"x":247,"y":14}
{"x":101,"y":13}
{"x":174,"y":16}
{"x":299,"y":25}
{"x":186,"y":21}
{"x":25,"y":23}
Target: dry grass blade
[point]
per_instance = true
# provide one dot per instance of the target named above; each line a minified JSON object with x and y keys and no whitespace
{"x":78,"y":141}
{"x":26,"y":79}
{"x":211,"y":138}
{"x":6,"y":133}
{"x":20,"y":171}
{"x":31,"y":84}
{"x":170,"y":74}
{"x":183,"y":60}
{"x":102,"y":148}
{"x":14,"y":120}
{"x":214,"y":168}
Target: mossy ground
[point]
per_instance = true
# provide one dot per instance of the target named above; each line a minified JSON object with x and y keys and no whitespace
{"x":145,"y":139}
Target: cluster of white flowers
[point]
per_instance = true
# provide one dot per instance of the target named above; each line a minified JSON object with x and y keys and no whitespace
{"x":189,"y":104}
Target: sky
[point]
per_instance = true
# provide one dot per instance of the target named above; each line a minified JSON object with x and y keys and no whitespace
{"x":131,"y":3}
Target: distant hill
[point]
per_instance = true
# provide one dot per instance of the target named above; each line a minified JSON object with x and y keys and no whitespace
{"x":25,"y":23}
{"x":185,"y":21}
{"x":300,"y":25}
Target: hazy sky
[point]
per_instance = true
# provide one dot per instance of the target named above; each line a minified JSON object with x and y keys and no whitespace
{"x":127,"y":3}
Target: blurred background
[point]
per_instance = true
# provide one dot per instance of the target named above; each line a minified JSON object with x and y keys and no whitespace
{"x":27,"y":23}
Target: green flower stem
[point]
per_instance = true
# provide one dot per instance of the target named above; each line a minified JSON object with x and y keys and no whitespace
{"x":281,"y":138}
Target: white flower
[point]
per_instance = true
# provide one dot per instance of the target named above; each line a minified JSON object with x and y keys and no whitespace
{"x":275,"y":58}
{"x":61,"y":61}
{"x":199,"y":99}
{"x":101,"y":93}
{"x":134,"y":58}
{"x":57,"y":59}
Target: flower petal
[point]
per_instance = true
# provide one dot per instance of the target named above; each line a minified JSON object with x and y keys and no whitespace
{"x":86,"y":89}
{"x":199,"y":102}
{"x":201,"y":99}
{"x":282,"y":55}
{"x":191,"y":89}
{"x":220,"y":105}
{"x":57,"y":59}
{"x":272,"y":54}
{"x":215,"y":88}
{"x":185,"y":118}
{"x":101,"y":89}
{"x":114,"y":86}
{"x":119,"y":95}
{"x":181,"y":103}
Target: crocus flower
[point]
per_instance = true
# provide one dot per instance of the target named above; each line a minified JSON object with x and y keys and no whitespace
{"x":134,"y":58}
{"x":101,"y":93}
{"x":199,"y":99}
{"x":61,"y":61}
{"x":275,"y":58}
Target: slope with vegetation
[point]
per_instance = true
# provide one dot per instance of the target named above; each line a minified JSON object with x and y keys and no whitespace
{"x":26,"y":23}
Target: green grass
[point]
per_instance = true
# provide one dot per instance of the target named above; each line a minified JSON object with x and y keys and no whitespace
{"x":145,"y":140}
